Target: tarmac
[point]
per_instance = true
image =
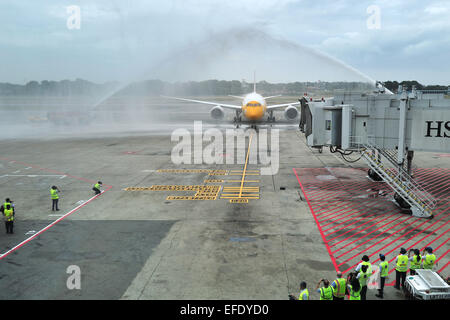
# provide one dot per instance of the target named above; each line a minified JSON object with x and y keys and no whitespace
{"x":156,"y":232}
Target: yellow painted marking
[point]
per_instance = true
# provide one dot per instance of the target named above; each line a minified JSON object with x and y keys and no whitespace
{"x":214,"y":181}
{"x":202,"y":192}
{"x":240,"y":181}
{"x":246,"y":162}
{"x":210,"y":172}
{"x":239,"y":200}
{"x":247,"y":174}
{"x":250,"y":198}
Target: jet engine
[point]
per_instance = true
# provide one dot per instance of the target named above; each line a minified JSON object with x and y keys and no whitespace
{"x":217,"y":112}
{"x":290,"y":113}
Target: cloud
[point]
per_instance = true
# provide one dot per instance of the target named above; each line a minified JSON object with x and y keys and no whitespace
{"x":120,"y":39}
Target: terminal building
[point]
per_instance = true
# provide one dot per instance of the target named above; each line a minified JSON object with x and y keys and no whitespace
{"x":386,"y":129}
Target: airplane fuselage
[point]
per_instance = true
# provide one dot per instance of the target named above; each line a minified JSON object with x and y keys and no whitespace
{"x":254,"y":106}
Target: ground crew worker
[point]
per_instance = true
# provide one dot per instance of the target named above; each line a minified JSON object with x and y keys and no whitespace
{"x":365,"y":261}
{"x":354,"y":288}
{"x":55,"y":197}
{"x":339,"y":287}
{"x":416,"y":261}
{"x":429,"y":259}
{"x":401,"y":268}
{"x":362,"y":277}
{"x":9,"y":219}
{"x":97,"y":187}
{"x":326,"y":292}
{"x":304,"y":293}
{"x":7,"y":201}
{"x":384,"y":273}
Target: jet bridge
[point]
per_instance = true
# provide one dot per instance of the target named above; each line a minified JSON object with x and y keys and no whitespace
{"x":386,"y":129}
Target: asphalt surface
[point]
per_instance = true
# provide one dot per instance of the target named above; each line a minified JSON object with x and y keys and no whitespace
{"x":141,"y":244}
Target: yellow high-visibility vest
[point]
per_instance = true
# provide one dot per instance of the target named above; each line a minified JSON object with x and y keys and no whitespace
{"x":340,"y":287}
{"x":415,"y":263}
{"x":9,"y":214}
{"x":363,"y":278}
{"x":304,"y":292}
{"x":326,"y":293}
{"x":402,"y":263}
{"x":54,"y":194}
{"x":429,"y":261}
{"x":355,"y":295}
{"x":384,"y":269}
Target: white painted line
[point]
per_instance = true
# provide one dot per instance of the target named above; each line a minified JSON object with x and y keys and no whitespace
{"x":63,"y":177}
{"x":16,"y":171}
{"x":55,"y":215}
{"x":27,"y":168}
{"x":31,"y":232}
{"x":33,"y":175}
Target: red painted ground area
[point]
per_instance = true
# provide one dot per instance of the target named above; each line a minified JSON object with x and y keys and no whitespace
{"x":357,"y":217}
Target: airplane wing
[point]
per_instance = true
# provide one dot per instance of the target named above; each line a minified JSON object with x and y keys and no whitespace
{"x":212,"y":103}
{"x":275,"y":106}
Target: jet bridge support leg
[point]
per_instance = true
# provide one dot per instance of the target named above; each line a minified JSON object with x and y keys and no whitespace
{"x":409,"y":158}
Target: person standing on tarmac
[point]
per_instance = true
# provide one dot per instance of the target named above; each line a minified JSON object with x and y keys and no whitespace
{"x":384,"y":273}
{"x":401,"y":268}
{"x":55,"y":197}
{"x":339,"y":286}
{"x":9,"y":219}
{"x":304,"y":293}
{"x":326,"y":292}
{"x":354,"y":288}
{"x":363,"y":277}
{"x":429,"y":260}
{"x":416,"y":261}
{"x":97,"y":187}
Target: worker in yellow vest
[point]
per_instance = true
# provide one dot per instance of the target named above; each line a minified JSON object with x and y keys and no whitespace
{"x":363,"y":276}
{"x":326,"y":292}
{"x":354,"y":288}
{"x":429,"y":260}
{"x":7,"y":201}
{"x":384,"y":273}
{"x":304,"y":293}
{"x":97,"y":187}
{"x":364,"y":261}
{"x":339,"y":286}
{"x":54,"y":193}
{"x":401,"y":268}
{"x":9,"y":219}
{"x":415,"y":261}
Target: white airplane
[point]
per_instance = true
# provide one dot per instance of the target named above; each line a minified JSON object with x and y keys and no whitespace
{"x":253,"y":108}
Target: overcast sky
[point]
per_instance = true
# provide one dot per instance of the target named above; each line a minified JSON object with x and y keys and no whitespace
{"x":283,"y":40}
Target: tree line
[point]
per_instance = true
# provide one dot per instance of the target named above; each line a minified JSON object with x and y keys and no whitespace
{"x":191,"y":88}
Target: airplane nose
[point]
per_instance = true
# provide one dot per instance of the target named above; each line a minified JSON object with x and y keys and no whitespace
{"x":254,"y":113}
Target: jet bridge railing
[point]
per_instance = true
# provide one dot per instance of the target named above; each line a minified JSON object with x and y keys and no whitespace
{"x":395,"y":176}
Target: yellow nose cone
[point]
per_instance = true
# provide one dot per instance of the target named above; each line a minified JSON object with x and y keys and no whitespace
{"x":254,"y":113}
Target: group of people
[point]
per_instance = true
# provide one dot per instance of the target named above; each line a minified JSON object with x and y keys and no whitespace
{"x":355,"y":284}
{"x":8,"y":209}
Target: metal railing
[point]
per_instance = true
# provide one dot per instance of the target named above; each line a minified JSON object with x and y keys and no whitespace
{"x":384,"y":163}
